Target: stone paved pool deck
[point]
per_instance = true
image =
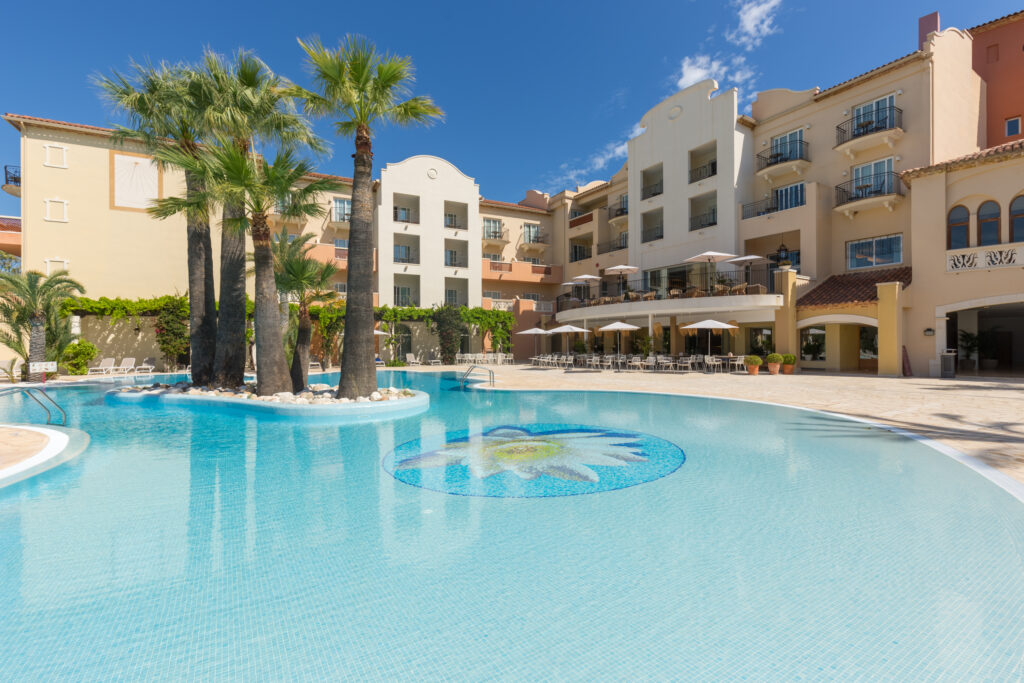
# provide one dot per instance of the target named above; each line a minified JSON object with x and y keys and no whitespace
{"x":982,"y":418}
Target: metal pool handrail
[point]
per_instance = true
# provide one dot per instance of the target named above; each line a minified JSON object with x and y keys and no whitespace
{"x":32,"y":392}
{"x":469,"y":371}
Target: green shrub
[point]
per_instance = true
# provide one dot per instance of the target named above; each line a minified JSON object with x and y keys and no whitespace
{"x":773,"y":358}
{"x":788,"y":359}
{"x":172,"y":335}
{"x":395,"y":363}
{"x":447,"y":322}
{"x":752,"y":360}
{"x":579,"y":346}
{"x":77,"y":357}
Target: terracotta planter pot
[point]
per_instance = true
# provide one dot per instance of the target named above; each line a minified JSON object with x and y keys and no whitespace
{"x":787,"y":369}
{"x":752,"y":369}
{"x":773,"y":368}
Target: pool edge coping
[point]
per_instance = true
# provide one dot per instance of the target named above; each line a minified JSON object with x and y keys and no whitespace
{"x":64,"y":443}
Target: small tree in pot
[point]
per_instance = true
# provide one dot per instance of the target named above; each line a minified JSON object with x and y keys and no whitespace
{"x":788,"y":363}
{"x":773,"y":361}
{"x":753,"y":364}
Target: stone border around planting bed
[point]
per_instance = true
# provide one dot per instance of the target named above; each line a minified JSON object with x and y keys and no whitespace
{"x":63,"y":445}
{"x":335,"y":413}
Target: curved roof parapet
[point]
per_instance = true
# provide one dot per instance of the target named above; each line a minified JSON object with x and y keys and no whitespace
{"x":768,"y":103}
{"x":701,"y":91}
{"x":431,"y":158}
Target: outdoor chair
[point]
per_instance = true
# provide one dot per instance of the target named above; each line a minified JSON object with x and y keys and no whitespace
{"x":147,"y":367}
{"x":675,"y":294}
{"x":635,"y":363}
{"x":686,"y":363}
{"x":127,"y":365}
{"x":650,"y":296}
{"x":666,"y":363}
{"x":757,"y":289}
{"x":105,"y":367}
{"x":713,"y":363}
{"x":720,"y":290}
{"x":741,"y":288}
{"x":410,"y":359}
{"x":433,"y":360}
{"x":632,"y":296}
{"x":314,"y":366}
{"x":650,"y":363}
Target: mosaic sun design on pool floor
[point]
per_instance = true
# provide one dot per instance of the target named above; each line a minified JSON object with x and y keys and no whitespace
{"x":538,"y":460}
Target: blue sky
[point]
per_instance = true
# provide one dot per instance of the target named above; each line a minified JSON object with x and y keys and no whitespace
{"x":536,"y":95}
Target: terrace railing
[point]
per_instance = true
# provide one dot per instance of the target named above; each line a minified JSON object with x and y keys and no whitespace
{"x":885,"y":118}
{"x":704,"y":171}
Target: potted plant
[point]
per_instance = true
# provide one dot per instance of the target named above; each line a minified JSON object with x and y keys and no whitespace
{"x":785,"y":265}
{"x":753,"y":364}
{"x":788,"y":363}
{"x":774,"y":360}
{"x":969,"y":345}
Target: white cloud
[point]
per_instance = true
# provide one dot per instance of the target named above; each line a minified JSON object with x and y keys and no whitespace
{"x":756,"y":22}
{"x":728,"y":71}
{"x":580,"y":173}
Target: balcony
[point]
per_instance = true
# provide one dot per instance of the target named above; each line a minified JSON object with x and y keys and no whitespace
{"x":496,"y":238}
{"x":620,"y":242}
{"x":328,"y":253}
{"x":458,"y":262}
{"x":534,"y":242}
{"x":454,"y":223}
{"x":652,"y":190}
{"x":867,"y":192}
{"x":881,"y":127}
{"x":404,"y":215}
{"x":407,"y":259}
{"x":579,"y":252}
{"x":581,"y":220}
{"x":617,"y":212}
{"x":520,"y":271}
{"x":704,"y":171}
{"x":789,"y":157}
{"x":339,"y":218}
{"x":704,"y":220}
{"x":985,"y":258}
{"x":12,"y":180}
{"x":651,"y":233}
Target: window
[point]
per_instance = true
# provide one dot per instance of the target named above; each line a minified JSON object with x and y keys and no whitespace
{"x":56,"y":210}
{"x":341,"y":287}
{"x":403,"y":296}
{"x":342,"y":210}
{"x":957,"y":228}
{"x":491,"y":294}
{"x":812,"y":343}
{"x":789,"y":196}
{"x":1017,"y":219}
{"x":341,"y":243}
{"x":874,"y":116}
{"x":531,"y":296}
{"x":55,"y":156}
{"x":574,"y":213}
{"x":54,"y":265}
{"x":788,"y":146}
{"x":492,"y":228}
{"x":451,"y":296}
{"x":531,"y":232}
{"x":1013,"y":127}
{"x":403,"y":254}
{"x":877,"y":251}
{"x":492,"y":257}
{"x":988,"y":224}
{"x":759,"y":341}
{"x":872,"y":179}
{"x":534,"y":260}
{"x":451,"y":220}
{"x":451,"y":257}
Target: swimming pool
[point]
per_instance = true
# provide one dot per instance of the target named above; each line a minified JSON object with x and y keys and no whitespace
{"x":707,"y":539}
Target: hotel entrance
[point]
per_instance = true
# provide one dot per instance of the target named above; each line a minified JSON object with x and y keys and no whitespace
{"x":989,"y":340}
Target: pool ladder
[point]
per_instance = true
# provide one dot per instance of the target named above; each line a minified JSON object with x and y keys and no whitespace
{"x":46,"y":403}
{"x":469,"y":372}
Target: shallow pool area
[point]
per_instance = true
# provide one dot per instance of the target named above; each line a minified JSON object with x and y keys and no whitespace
{"x":505,"y":534}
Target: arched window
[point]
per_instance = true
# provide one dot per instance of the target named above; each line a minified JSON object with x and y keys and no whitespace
{"x":957,"y":228}
{"x":988,"y":224}
{"x":1017,"y":219}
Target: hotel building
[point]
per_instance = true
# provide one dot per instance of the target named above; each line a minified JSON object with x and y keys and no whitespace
{"x":877,"y":220}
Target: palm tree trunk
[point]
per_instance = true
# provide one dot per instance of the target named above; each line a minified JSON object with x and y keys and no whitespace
{"x":229,"y":358}
{"x":300,"y":359}
{"x":201,"y":301}
{"x":358,"y":372}
{"x":271,"y":367}
{"x":37,"y":345}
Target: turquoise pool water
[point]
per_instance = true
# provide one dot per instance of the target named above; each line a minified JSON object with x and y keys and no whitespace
{"x":506,"y":535}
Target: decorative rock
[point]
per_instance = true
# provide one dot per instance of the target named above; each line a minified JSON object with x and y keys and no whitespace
{"x":284,"y":394}
{"x":376,"y":396}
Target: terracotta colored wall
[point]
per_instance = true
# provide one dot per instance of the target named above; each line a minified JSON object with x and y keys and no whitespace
{"x":999,"y":59}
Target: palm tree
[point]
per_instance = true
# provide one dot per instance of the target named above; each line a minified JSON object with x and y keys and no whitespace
{"x":169,"y":105}
{"x":26,"y":302}
{"x":359,"y":88}
{"x":251,"y":106}
{"x":309,"y":281}
{"x":243,"y":179}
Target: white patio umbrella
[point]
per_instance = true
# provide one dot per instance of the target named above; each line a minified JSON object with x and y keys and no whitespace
{"x":620,"y":271}
{"x":566,"y":330}
{"x":535,"y":332}
{"x":744,"y":260}
{"x":709,"y":325}
{"x":711,"y":258}
{"x":619,"y":327}
{"x":586,"y":279}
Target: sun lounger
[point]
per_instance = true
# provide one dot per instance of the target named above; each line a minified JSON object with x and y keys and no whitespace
{"x":105,"y":367}
{"x":410,"y":359}
{"x":315,"y":367}
{"x":127,"y":366}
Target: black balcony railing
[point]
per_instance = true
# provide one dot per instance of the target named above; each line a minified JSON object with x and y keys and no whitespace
{"x":652,"y":190}
{"x":704,"y":220}
{"x":535,"y":238}
{"x":886,"y":118}
{"x":12,"y":175}
{"x":704,"y":171}
{"x":683,"y":283}
{"x":767,"y":206}
{"x":780,"y":153}
{"x":403,"y":215}
{"x":493,"y":234}
{"x":866,"y":187}
{"x":455,"y":262}
{"x":651,"y":233}
{"x":452,"y":223}
{"x":407,"y":258}
{"x":578,"y":253}
{"x":617,"y":210}
{"x":342,"y":216}
{"x":620,"y":242}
